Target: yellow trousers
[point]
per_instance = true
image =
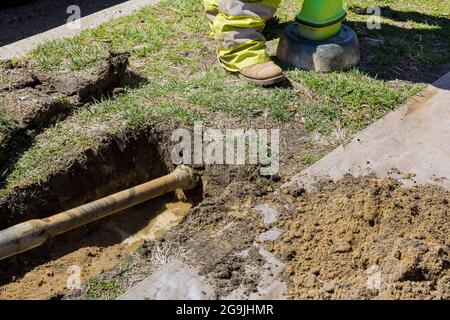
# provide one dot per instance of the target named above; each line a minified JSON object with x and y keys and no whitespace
{"x":237,"y":26}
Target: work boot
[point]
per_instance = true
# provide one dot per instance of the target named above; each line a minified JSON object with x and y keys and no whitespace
{"x":263,"y":74}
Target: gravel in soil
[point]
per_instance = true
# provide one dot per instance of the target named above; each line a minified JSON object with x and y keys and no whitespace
{"x":359,"y":238}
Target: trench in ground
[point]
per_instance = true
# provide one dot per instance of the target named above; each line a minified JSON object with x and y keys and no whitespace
{"x":43,"y":272}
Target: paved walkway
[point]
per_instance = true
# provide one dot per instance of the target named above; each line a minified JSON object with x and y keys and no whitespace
{"x":411,"y":144}
{"x":21,"y":47}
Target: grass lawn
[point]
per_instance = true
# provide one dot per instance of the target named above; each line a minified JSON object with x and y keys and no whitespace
{"x":170,"y":48}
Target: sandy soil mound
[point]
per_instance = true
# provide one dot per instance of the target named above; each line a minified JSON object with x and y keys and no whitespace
{"x":368,"y":238}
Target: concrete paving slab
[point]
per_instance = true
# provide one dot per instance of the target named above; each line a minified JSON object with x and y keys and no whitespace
{"x":270,"y":285}
{"x":22,"y":47}
{"x":179,"y":279}
{"x":175,"y":281}
{"x":414,"y":140}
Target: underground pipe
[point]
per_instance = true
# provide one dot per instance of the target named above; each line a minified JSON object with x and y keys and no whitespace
{"x":33,"y":233}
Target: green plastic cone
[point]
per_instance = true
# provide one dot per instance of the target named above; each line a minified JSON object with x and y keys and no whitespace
{"x":321,"y":19}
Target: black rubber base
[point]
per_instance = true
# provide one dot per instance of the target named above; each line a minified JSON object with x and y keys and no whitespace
{"x":337,"y":53}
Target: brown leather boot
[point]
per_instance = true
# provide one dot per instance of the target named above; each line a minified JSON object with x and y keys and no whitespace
{"x":264,"y":74}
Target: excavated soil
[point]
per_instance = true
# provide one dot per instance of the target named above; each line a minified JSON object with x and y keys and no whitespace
{"x":35,"y":99}
{"x":359,"y":238}
{"x":217,"y":237}
{"x":364,"y":238}
{"x":43,"y":273}
{"x":117,"y":163}
{"x":367,"y":238}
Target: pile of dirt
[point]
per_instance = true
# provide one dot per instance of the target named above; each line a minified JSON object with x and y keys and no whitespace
{"x":359,"y":238}
{"x":217,"y":238}
{"x":367,"y":238}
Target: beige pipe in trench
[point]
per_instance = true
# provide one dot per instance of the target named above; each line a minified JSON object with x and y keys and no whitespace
{"x":33,"y":233}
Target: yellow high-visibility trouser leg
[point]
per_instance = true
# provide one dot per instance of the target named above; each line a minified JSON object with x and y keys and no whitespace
{"x":237,"y":26}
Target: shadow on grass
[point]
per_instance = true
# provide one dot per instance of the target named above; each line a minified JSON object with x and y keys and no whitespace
{"x":22,"y":19}
{"x":403,"y":16}
{"x":398,"y":51}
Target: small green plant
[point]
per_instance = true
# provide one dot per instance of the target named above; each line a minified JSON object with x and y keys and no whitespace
{"x":62,"y":101}
{"x":6,"y":121}
{"x":127,"y":263}
{"x":102,"y":289}
{"x":311,"y":158}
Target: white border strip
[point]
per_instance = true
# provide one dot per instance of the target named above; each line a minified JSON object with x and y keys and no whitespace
{"x":22,"y":47}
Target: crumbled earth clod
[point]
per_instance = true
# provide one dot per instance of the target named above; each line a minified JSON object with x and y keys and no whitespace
{"x":342,"y":231}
